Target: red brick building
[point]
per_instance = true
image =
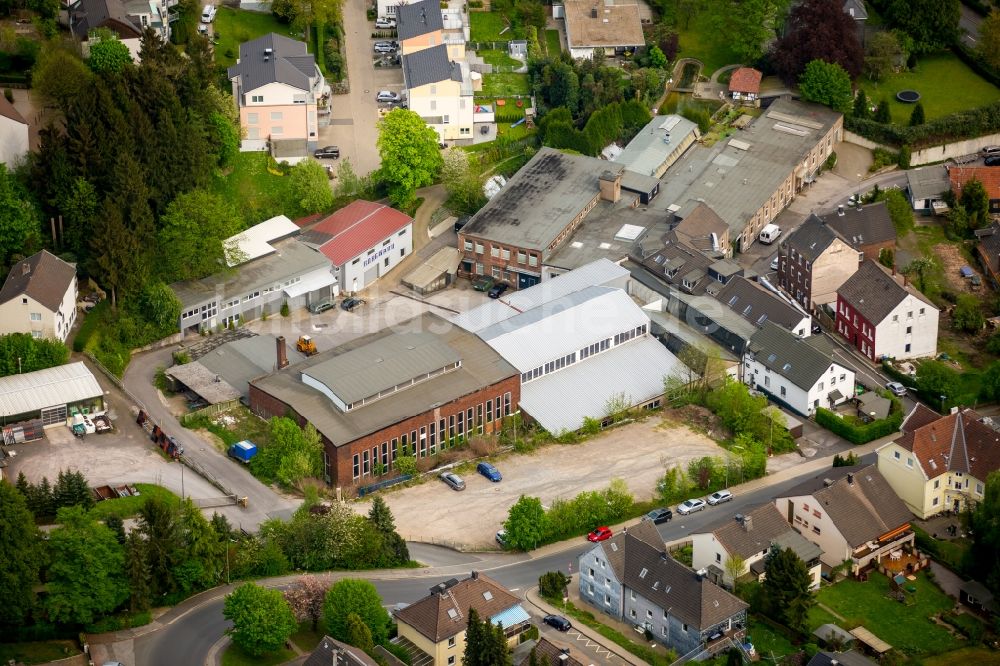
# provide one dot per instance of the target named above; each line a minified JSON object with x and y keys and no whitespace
{"x":418,"y":388}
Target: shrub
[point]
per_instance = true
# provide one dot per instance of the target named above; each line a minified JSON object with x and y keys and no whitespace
{"x":903,"y":159}
{"x":553,"y":584}
{"x":284,"y":309}
{"x":854,"y":430}
{"x":882,"y":158}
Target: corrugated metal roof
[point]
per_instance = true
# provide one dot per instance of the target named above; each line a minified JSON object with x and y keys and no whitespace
{"x":654,"y":143}
{"x":561,"y":400}
{"x":256,"y":241}
{"x":353,"y":229}
{"x":61,"y":385}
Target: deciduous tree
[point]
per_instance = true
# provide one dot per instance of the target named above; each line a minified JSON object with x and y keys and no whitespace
{"x":192,"y":236}
{"x":59,"y":76}
{"x":464,"y":181}
{"x":976,"y":202}
{"x":968,"y":314}
{"x":311,"y":187}
{"x":526,"y":523}
{"x":826,"y":83}
{"x":747,"y":25}
{"x":881,"y":55}
{"x":818,"y":30}
{"x":262,"y":620}
{"x":734,"y":566}
{"x":108,"y":55}
{"x":933,"y":24}
{"x":20,"y":556}
{"x":353,"y":595}
{"x":20,"y":352}
{"x":983,"y":559}
{"x":20,"y":226}
{"x":989,"y":39}
{"x":937,"y":379}
{"x":306,"y":598}
{"x":410,"y":155}
{"x":358,"y":634}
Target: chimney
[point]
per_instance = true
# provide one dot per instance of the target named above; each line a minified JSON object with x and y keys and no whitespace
{"x":25,"y":268}
{"x":282,"y":353}
{"x":611,"y":186}
{"x":954,"y":410}
{"x":840,"y":211}
{"x":593,"y":12}
{"x":747,"y":523}
{"x":850,"y":479}
{"x":475,"y":575}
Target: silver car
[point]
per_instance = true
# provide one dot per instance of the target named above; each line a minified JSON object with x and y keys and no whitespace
{"x":690,"y":506}
{"x":453,"y":480}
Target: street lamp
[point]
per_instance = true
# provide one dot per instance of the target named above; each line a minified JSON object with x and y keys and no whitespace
{"x":943,"y":398}
{"x":860,"y":178}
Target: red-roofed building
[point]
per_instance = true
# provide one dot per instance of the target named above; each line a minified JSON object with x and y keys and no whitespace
{"x":363,"y":240}
{"x":988,"y":176}
{"x":744,"y":85}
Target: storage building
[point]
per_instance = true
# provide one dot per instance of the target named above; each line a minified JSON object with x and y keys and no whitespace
{"x":50,"y":394}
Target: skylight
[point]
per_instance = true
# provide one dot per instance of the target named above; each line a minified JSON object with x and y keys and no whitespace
{"x":452,"y":613}
{"x":487,"y":595}
{"x":787,"y":366}
{"x":642,"y":574}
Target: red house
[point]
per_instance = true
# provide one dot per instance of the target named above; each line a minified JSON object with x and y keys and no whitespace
{"x":744,"y":84}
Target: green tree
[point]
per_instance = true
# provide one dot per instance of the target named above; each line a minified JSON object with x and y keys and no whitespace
{"x":87,"y":572}
{"x":59,"y":76}
{"x":291,"y":454}
{"x":734,"y":566}
{"x":976,"y":203}
{"x":192,"y":236}
{"x":160,"y":306}
{"x":355,"y":596}
{"x":116,"y":525}
{"x":485,"y":644}
{"x":882,"y":114}
{"x":20,"y":556}
{"x":989,"y":387}
{"x":826,"y":83}
{"x":553,"y":585}
{"x":935,"y":379}
{"x":410,"y":155}
{"x":71,"y":489}
{"x":882,"y":53}
{"x":983,"y":558}
{"x":917,"y":116}
{"x":968,"y":314}
{"x":922,"y":267}
{"x":526,"y":523}
{"x":108,"y":55}
{"x":311,"y":187}
{"x":20,"y":224}
{"x":20,"y":352}
{"x":464,"y":181}
{"x":358,"y":634}
{"x":306,"y":599}
{"x":159,"y":526}
{"x":933,"y":24}
{"x":204,"y":552}
{"x":861,"y":109}
{"x":227,"y":136}
{"x":786,"y":592}
{"x":656,"y":57}
{"x":989,"y":39}
{"x":262,"y":620}
{"x":137,"y":572}
{"x":746,"y":25}
{"x":381,"y":516}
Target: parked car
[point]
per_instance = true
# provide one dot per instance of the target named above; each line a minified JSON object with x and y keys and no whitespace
{"x":991,"y":150}
{"x":322,"y":307}
{"x":557,"y":622}
{"x":329,"y":152}
{"x":385,"y":47}
{"x":385,"y":22}
{"x":176,"y":445}
{"x":600,"y":534}
{"x":816,"y":328}
{"x":719,"y":497}
{"x":489,"y":471}
{"x":690,"y":506}
{"x":659,"y":516}
{"x":453,"y":480}
{"x":501,"y":538}
{"x":774,"y":263}
{"x":350,"y":304}
{"x":896,"y":388}
{"x":992,"y":160}
{"x":498,"y":289}
{"x":484,"y":284}
{"x":387,"y":96}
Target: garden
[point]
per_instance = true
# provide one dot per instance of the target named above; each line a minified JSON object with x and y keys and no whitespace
{"x":488,"y":26}
{"x":506,"y":84}
{"x":256,"y":186}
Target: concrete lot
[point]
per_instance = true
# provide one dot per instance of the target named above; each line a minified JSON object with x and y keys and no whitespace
{"x":638,"y":453}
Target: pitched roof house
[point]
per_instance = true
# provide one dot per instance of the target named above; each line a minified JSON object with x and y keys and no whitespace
{"x":331,"y":652}
{"x":435,"y":625}
{"x":550,"y":654}
{"x":988,"y":252}
{"x":744,"y":84}
{"x":633,"y":579}
{"x":939,"y":462}
{"x":439,"y":90}
{"x":867,"y":229}
{"x":124,"y":18}
{"x":988,"y":176}
{"x":926,"y":187}
{"x":881,"y":315}
{"x":13,"y":134}
{"x":851,"y":513}
{"x":749,"y":537}
{"x":39,"y":297}
{"x":813,"y":262}
{"x":758,"y":305}
{"x":606,"y":26}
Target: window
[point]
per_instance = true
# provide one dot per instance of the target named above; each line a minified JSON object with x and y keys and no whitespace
{"x":649,"y":615}
{"x":816,"y":529}
{"x":532,"y":259}
{"x":607,"y":599}
{"x":505,"y":254}
{"x":909,"y":462}
{"x":468,"y":246}
{"x":782,"y":391}
{"x":451,"y":660}
{"x":36,"y":316}
{"x":631,"y":613}
{"x":895,"y":454}
{"x":979,"y":489}
{"x":934,"y":502}
{"x":495,"y":252}
{"x":256,"y":99}
{"x":434,"y":104}
{"x":663,"y":631}
{"x":357,"y":466}
{"x":908,"y":345}
{"x":718,"y":557}
{"x":921,"y":311}
{"x":276,"y":115}
{"x":821,"y":386}
{"x":451,"y":642}
{"x":521,"y":257}
{"x":479,"y":248}
{"x":591,"y":572}
{"x":684,"y":627}
{"x":252,"y":118}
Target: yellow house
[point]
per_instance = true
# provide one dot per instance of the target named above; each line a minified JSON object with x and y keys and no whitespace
{"x":434,"y":627}
{"x":39,"y":297}
{"x":940,"y":463}
{"x":420,"y":25}
{"x":439,"y":90}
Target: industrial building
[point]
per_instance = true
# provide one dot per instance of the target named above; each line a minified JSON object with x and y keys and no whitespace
{"x":50,"y":394}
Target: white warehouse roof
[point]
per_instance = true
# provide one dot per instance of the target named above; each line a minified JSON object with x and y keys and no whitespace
{"x":256,"y":241}
{"x":33,"y":391}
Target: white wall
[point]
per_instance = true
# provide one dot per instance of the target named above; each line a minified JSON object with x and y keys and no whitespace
{"x":457,"y":108}
{"x":891,"y":337}
{"x":756,"y":374}
{"x":13,"y":141}
{"x":835,"y":548}
{"x":15,"y":316}
{"x":395,"y":248}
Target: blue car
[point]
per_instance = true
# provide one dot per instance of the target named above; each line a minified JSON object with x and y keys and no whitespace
{"x":489,"y":471}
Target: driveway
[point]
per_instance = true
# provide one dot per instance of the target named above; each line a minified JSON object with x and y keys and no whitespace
{"x":638,"y":453}
{"x":353,"y":117}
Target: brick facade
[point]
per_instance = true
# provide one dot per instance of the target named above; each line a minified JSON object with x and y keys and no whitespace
{"x":484,"y":409}
{"x":858,"y":331}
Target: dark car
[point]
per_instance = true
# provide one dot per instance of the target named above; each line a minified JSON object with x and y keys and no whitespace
{"x":489,"y":471}
{"x":498,"y":289}
{"x":330,"y":152}
{"x":817,"y":329}
{"x":992,"y":160}
{"x":350,"y":304}
{"x":557,"y":622}
{"x":659,"y":516}
{"x":483,"y":285}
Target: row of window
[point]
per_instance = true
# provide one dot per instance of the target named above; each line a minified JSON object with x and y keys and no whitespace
{"x":210,"y":310}
{"x":254,"y":118}
{"x":399,"y":387}
{"x":590,"y":350}
{"x":502,"y":253}
{"x":431,"y":438}
{"x":207,"y":311}
{"x":632,"y":612}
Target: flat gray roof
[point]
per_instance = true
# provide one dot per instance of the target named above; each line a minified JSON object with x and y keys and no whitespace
{"x":601,"y":235}
{"x":656,"y":143}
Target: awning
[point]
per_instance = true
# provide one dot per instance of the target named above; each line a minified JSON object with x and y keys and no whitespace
{"x":511,"y":617}
{"x":310,"y":283}
{"x":835,"y":395}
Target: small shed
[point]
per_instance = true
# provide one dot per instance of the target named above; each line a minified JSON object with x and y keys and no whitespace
{"x":872,"y":406}
{"x":517,"y":47}
{"x":436,"y":273}
{"x":831,"y":634}
{"x":975,"y":595}
{"x":872,"y":641}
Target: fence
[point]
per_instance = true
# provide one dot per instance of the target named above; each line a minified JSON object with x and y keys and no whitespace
{"x":379,"y":485}
{"x":211,"y":410}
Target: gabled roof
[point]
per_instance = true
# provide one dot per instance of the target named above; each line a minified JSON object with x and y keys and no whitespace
{"x":745,"y":80}
{"x":863,"y":225}
{"x":874,"y":293}
{"x":288,"y":62}
{"x":353,"y":229}
{"x":754,"y":534}
{"x":672,"y":260}
{"x":429,"y":65}
{"x":792,"y":357}
{"x":812,"y":238}
{"x":418,"y":18}
{"x":988,"y":176}
{"x":43,"y":277}
{"x":758,"y":305}
{"x":989,"y":246}
{"x":550,"y":654}
{"x":331,"y":652}
{"x":859,"y":501}
{"x":856,"y":9}
{"x":959,"y":442}
{"x":86,"y":15}
{"x":8,"y":111}
{"x":60,"y":385}
{"x":602,"y":24}
{"x":928,"y":182}
{"x":445,"y":612}
{"x":697,"y":227}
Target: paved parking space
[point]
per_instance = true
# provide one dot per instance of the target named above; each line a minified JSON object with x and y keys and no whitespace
{"x":637,"y":453}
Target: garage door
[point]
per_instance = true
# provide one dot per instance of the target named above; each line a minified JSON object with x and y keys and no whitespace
{"x":54,"y":416}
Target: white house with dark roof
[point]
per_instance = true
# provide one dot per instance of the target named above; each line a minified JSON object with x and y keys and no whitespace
{"x":280,"y":94}
{"x":926,"y":187}
{"x":39,"y":297}
{"x":126,"y":19}
{"x":439,"y":90}
{"x":13,"y":134}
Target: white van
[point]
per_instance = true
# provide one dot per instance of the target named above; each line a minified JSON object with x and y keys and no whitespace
{"x":208,"y":14}
{"x":769,"y":234}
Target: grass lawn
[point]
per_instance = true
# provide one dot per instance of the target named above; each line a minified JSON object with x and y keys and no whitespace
{"x":970,"y":655}
{"x":700,"y":40}
{"x":767,"y":641}
{"x":945,"y":83}
{"x":553,"y":46}
{"x":306,"y":638}
{"x":245,"y":426}
{"x":258,"y":193}
{"x":128,"y":507}
{"x":499,"y":58}
{"x":906,"y":627}
{"x":486,"y":27}
{"x":37,"y":653}
{"x":234,"y":656}
{"x":506,"y":85}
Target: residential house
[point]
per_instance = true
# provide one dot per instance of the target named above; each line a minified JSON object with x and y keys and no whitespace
{"x":658,"y":145}
{"x":422,"y":386}
{"x":975,"y":595}
{"x":866,"y":228}
{"x":758,"y":305}
{"x":813,"y":262}
{"x":632,"y":578}
{"x":851,"y":513}
{"x":39,"y":297}
{"x":940,"y":463}
{"x":988,"y":252}
{"x":439,"y":90}
{"x":421,"y":25}
{"x":926,"y":187}
{"x":744,"y":85}
{"x":799,"y":373}
{"x":13,"y":135}
{"x":881,"y":315}
{"x":602,"y":26}
{"x":280,"y":94}
{"x":126,"y":19}
{"x":549,"y":654}
{"x":988,"y":176}
{"x":331,"y":652}
{"x":433,"y":628}
{"x":849,"y":658}
{"x":746,"y":539}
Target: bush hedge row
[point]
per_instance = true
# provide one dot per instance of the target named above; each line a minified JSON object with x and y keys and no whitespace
{"x":956,"y":126}
{"x":854,"y":430}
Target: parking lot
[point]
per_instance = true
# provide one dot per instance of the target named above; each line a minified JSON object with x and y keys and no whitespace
{"x":637,"y":453}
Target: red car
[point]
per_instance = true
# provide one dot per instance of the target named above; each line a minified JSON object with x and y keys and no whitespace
{"x":600,"y":534}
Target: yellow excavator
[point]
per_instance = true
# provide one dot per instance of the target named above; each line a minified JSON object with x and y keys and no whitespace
{"x":306,"y":345}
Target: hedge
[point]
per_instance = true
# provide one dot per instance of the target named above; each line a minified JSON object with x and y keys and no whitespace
{"x":966,"y":124}
{"x":976,"y":64}
{"x":855,"y":432}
